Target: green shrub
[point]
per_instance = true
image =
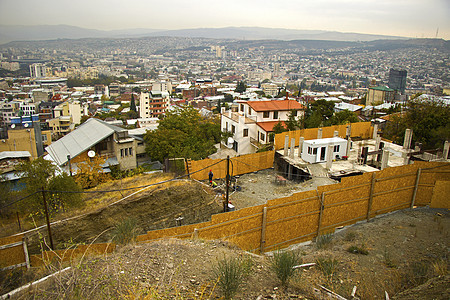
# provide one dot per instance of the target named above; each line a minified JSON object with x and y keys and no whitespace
{"x":282,"y":264}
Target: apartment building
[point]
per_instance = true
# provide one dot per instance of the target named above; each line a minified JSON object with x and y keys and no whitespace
{"x":379,"y":94}
{"x":153,"y":104}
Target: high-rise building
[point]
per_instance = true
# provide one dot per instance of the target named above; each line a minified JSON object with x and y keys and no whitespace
{"x":38,"y":70}
{"x":397,"y":80}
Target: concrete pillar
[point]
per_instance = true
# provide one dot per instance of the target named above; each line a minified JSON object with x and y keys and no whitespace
{"x":408,"y":138}
{"x":377,"y":143}
{"x":319,"y":133}
{"x":329,"y":156}
{"x":385,"y":159}
{"x":406,"y":158}
{"x":348,"y":132}
{"x":375,"y":131}
{"x":300,"y":146}
{"x":336,"y":133}
{"x":349,"y":146}
{"x":290,"y":172}
{"x":286,"y":145}
{"x":291,"y":153}
{"x":446,"y":150}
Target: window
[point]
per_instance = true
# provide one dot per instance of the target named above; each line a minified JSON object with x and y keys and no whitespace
{"x":226,"y":126}
{"x":275,"y":115}
{"x":121,"y":153}
{"x":245,"y":132}
{"x":294,"y":113}
{"x":314,"y":150}
{"x":265,"y":114}
{"x":309,"y":150}
{"x":263,"y":136}
{"x":336,"y":148}
{"x":242,"y":107}
{"x":249,"y":111}
{"x":130,"y":150}
{"x":126,"y":151}
{"x":233,"y":129}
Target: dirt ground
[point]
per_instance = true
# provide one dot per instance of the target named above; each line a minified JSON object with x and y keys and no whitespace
{"x":258,"y":187}
{"x":405,"y":249}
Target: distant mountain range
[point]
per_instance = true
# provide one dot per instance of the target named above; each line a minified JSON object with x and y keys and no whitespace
{"x":51,"y":32}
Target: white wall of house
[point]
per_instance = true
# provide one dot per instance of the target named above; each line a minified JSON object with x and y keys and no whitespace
{"x":282,"y":115}
{"x":315,"y":151}
{"x":242,"y":132}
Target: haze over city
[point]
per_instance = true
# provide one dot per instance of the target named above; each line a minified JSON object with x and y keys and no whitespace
{"x":407,"y":18}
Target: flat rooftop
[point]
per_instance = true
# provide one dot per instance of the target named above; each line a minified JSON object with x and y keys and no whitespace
{"x":395,"y":157}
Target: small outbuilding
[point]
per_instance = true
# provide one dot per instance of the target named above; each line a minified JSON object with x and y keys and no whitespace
{"x":315,"y":151}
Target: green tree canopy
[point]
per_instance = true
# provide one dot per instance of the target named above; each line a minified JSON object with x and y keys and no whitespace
{"x":343,"y":117}
{"x":183,"y":133}
{"x":241,"y":87}
{"x":293,"y":122}
{"x":429,"y":120}
{"x":41,"y":174}
{"x":319,"y":114}
{"x":279,"y":128}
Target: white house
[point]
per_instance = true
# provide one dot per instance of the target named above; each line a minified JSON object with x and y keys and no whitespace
{"x":314,"y":151}
{"x":251,"y":125}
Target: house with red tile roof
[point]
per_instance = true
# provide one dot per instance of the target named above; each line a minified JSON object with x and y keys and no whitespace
{"x":253,"y":121}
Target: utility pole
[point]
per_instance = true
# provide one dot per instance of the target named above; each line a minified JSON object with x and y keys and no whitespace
{"x":227,"y":180}
{"x":70,"y":167}
{"x":48,"y":221}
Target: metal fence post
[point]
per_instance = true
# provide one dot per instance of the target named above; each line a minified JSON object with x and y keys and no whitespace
{"x":263,"y":230}
{"x":372,"y":188}
{"x":416,"y":187}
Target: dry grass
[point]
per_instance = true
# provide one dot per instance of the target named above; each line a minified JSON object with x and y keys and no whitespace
{"x":92,"y":201}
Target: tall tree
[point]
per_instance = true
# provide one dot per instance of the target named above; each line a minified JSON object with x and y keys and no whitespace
{"x":241,"y":87}
{"x":133,"y":103}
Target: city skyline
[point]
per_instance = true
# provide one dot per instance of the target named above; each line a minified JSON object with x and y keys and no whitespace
{"x":413,"y":18}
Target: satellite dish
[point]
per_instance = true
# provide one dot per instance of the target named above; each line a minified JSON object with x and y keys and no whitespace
{"x":91,"y":153}
{"x":13,"y":126}
{"x":26,"y":125}
{"x":230,"y":140}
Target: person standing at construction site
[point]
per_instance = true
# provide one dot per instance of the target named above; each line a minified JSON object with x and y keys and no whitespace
{"x":210,"y":175}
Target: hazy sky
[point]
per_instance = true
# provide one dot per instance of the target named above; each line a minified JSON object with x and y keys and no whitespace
{"x":413,"y":18}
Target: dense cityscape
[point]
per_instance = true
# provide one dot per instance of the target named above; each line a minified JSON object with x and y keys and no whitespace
{"x":129,"y":141}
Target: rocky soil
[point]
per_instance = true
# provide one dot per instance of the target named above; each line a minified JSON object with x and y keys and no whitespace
{"x":404,"y":250}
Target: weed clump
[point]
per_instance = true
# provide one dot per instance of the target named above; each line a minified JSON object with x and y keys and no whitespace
{"x":231,"y":273}
{"x":387,"y":259}
{"x":323,"y":241}
{"x":282,"y":264}
{"x":126,"y":231}
{"x":358,"y":250}
{"x":327,"y":265}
